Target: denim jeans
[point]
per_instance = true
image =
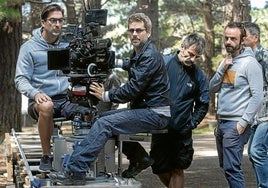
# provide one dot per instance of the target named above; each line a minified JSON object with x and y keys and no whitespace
{"x":112,"y":124}
{"x":258,"y":153}
{"x":230,"y":146}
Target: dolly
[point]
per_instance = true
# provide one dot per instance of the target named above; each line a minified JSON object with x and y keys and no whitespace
{"x":35,"y":183}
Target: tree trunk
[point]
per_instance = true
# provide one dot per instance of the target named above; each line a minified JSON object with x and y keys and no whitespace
{"x":210,"y":48}
{"x":95,"y":4}
{"x":241,"y":10}
{"x":10,"y":116}
{"x":71,"y":14}
{"x":36,"y":9}
{"x":236,"y":11}
{"x":150,"y":8}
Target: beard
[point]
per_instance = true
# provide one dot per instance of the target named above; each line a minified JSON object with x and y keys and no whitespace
{"x":137,"y":43}
{"x":232,"y":49}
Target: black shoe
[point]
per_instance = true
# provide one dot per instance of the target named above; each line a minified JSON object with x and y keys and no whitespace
{"x":135,"y":168}
{"x":46,"y":163}
{"x":68,"y":178}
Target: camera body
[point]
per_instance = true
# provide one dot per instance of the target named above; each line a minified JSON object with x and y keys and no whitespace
{"x":86,"y":59}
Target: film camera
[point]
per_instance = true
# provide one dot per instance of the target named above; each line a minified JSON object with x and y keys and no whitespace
{"x":86,"y":59}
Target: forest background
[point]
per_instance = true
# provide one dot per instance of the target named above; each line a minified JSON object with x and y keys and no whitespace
{"x":172,"y":20}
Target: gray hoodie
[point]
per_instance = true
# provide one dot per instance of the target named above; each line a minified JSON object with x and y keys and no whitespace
{"x":32,"y":75}
{"x":239,"y":88}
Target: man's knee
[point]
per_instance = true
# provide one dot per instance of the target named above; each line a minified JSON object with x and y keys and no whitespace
{"x":45,"y":108}
{"x":34,"y":109}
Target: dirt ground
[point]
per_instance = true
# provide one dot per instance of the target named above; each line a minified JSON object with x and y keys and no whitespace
{"x":203,"y":173}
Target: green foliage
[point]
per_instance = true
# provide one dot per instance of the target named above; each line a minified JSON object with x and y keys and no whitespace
{"x":118,"y":25}
{"x":176,"y":22}
{"x":216,"y":61}
{"x":176,"y":19}
{"x":259,"y":16}
{"x":205,"y":129}
{"x":10,"y":9}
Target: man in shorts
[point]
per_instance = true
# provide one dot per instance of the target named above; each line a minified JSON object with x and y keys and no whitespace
{"x":46,"y":89}
{"x":173,"y":152}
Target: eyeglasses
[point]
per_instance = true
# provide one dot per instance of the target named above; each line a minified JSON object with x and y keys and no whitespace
{"x":56,"y":20}
{"x":138,"y":31}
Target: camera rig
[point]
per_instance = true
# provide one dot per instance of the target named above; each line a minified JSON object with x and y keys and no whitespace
{"x":86,"y":59}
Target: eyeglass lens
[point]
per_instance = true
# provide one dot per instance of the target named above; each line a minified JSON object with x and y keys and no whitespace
{"x":56,"y":20}
{"x":139,"y":30}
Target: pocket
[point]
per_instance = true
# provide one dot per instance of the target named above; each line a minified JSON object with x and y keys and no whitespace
{"x":230,"y":134}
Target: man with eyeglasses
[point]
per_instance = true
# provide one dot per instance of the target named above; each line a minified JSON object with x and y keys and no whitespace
{"x":173,"y":152}
{"x":258,"y":143}
{"x":55,"y":20}
{"x":46,"y":89}
{"x":239,"y":84}
{"x":147,"y":90}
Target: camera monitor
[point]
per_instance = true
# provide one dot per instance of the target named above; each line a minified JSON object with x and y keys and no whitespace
{"x":59,"y":59}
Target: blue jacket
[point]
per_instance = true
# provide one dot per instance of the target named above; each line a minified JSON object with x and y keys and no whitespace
{"x":147,"y":86}
{"x":189,"y":94}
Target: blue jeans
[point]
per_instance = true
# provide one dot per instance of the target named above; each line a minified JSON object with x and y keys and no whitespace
{"x":230,"y":146}
{"x":112,"y":124}
{"x":258,"y":153}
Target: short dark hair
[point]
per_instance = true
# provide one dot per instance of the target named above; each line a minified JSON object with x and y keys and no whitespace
{"x":50,"y":8}
{"x":240,"y":26}
{"x":196,"y":40}
{"x":141,"y":17}
{"x":253,"y":28}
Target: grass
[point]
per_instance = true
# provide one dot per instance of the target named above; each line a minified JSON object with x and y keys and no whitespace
{"x":204,"y":129}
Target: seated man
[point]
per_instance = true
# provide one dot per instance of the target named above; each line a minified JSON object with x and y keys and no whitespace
{"x":45,"y":89}
{"x":147,"y":90}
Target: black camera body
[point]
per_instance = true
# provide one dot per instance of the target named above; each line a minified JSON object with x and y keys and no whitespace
{"x":87,"y":58}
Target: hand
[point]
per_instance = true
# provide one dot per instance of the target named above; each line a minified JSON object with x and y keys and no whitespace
{"x":97,"y":90}
{"x":41,"y":97}
{"x":228,"y":61}
{"x":194,"y":124}
{"x":240,"y":128}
